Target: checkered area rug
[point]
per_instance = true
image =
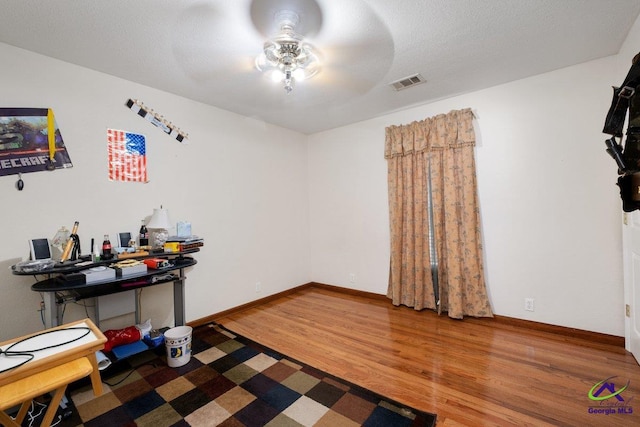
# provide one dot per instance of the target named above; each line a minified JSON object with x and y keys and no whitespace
{"x":232,"y":381}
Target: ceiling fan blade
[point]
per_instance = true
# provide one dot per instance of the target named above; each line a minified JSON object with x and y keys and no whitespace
{"x":354,"y":42}
{"x":263,"y":15}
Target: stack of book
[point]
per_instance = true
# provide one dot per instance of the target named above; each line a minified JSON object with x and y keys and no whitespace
{"x":184,"y":243}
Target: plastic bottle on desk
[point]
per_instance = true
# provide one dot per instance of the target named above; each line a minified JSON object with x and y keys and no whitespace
{"x":106,"y":248}
{"x":95,"y":256}
{"x":144,"y":235}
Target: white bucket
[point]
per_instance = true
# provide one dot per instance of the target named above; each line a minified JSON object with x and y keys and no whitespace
{"x":178,"y":342}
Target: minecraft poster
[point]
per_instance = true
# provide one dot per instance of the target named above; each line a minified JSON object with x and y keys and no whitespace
{"x":24,"y":143}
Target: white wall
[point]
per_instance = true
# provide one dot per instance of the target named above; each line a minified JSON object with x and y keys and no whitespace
{"x":241,"y":183}
{"x":550,"y":207}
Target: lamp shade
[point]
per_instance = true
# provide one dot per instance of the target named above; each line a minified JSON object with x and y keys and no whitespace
{"x":159,"y":219}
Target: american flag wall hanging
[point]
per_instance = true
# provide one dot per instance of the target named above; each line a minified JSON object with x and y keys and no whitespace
{"x":127,"y":156}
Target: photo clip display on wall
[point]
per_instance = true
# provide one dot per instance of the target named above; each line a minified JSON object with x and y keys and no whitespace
{"x":156,"y":119}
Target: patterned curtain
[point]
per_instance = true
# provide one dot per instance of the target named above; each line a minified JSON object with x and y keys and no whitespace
{"x":435,"y":155}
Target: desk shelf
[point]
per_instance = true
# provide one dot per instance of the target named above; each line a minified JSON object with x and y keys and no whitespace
{"x":101,"y":289}
{"x":68,"y":267}
{"x":152,"y":277}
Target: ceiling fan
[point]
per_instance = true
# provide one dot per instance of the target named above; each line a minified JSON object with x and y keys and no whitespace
{"x":344,"y":46}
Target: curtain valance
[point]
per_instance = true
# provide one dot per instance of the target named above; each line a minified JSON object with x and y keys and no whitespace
{"x":435,"y":133}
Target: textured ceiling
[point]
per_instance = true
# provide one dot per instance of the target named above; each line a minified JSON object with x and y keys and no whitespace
{"x":205,"y":49}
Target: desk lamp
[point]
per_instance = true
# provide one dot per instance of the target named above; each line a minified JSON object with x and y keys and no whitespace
{"x":158,"y":226}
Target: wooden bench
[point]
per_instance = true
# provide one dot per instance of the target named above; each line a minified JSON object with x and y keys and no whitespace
{"x":50,"y":370}
{"x":24,"y":390}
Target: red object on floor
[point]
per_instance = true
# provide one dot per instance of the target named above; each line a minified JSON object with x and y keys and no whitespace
{"x":116,"y":337}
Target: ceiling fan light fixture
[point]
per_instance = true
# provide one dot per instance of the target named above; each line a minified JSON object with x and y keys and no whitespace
{"x":286,"y":57}
{"x":276,"y":76}
{"x":299,"y":74}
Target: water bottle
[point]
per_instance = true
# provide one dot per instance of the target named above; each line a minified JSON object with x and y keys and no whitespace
{"x":106,"y":248}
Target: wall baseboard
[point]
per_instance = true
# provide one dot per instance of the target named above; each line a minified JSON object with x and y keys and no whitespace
{"x":592,"y":337}
{"x":214,"y":317}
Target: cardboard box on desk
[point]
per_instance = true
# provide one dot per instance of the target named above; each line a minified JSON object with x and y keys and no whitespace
{"x":99,"y":274}
{"x":134,"y":270}
{"x":127,"y":255}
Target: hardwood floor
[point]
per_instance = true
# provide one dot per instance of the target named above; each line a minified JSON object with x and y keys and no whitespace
{"x":473,"y":372}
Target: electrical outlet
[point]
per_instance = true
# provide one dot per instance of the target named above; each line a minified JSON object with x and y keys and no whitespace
{"x":352,"y":278}
{"x":258,"y":287}
{"x":528,"y":304}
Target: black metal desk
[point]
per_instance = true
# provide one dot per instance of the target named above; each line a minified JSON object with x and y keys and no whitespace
{"x":58,"y":290}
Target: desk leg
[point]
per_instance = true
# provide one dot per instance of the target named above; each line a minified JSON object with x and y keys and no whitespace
{"x":22,"y":413}
{"x":136,"y":301}
{"x":51,"y":313}
{"x":178,"y":299}
{"x":53,"y":406}
{"x":6,"y":420}
{"x":96,"y":380}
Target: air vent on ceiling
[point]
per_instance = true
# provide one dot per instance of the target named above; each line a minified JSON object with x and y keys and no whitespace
{"x":406,"y":82}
